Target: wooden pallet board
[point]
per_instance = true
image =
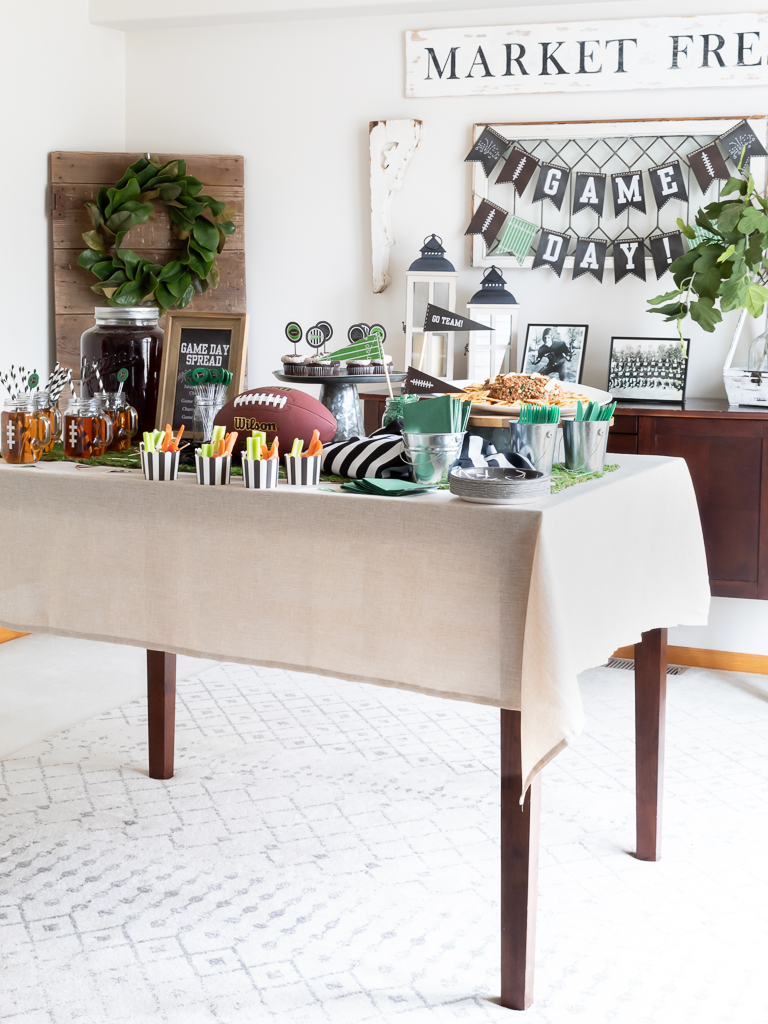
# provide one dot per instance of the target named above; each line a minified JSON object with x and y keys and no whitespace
{"x":74,"y":180}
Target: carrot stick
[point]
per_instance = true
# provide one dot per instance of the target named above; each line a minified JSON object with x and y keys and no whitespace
{"x":230,"y":443}
{"x":178,"y":436}
{"x":220,"y":449}
{"x":273,"y":451}
{"x":264,"y":452}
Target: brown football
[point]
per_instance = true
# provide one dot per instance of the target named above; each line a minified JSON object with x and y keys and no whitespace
{"x":281,"y":412}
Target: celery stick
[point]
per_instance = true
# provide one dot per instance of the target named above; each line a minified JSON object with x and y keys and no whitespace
{"x":297,"y":447}
{"x":249,"y":449}
{"x":260,"y":437}
{"x":219,"y":433}
{"x":206,"y":450}
{"x":148,"y":443}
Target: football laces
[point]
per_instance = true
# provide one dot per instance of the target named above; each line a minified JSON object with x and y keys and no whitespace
{"x":278,"y":401}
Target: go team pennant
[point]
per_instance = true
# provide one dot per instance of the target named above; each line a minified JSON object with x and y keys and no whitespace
{"x":518,"y":169}
{"x":665,"y":249}
{"x":366,"y":348}
{"x":590,"y":257}
{"x":419,"y":383}
{"x":589,"y":192}
{"x":488,"y":150}
{"x":628,"y":258}
{"x":439,"y":321}
{"x":552,"y":183}
{"x":708,"y":165}
{"x":517,"y":237}
{"x":667,"y":183}
{"x":628,"y":191}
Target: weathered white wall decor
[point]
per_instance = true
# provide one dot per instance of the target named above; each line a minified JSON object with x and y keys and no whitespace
{"x":585,"y":56}
{"x":392,"y":144}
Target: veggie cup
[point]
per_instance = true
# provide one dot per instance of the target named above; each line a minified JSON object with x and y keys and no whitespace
{"x":212,"y":470}
{"x":159,"y":465}
{"x":260,"y":474}
{"x":303,"y":470}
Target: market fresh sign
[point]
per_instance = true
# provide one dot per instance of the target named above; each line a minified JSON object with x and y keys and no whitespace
{"x":647,"y":53}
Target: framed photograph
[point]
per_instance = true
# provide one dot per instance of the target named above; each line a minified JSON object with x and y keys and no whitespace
{"x":648,"y":369}
{"x":214,"y":340}
{"x":555,"y":350}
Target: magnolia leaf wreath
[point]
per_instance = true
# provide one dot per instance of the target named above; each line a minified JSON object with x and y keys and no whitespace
{"x":125,"y":279}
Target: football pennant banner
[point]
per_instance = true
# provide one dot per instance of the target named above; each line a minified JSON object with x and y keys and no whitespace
{"x":742,"y":138}
{"x":518,"y":169}
{"x":487,"y":221}
{"x":667,"y":183}
{"x":419,"y":383}
{"x":517,"y":237}
{"x":665,"y":249}
{"x":589,"y":192}
{"x":628,"y":191}
{"x":590,"y":257}
{"x":366,"y":348}
{"x":488,"y":150}
{"x":551,"y":250}
{"x":628,"y":258}
{"x":708,"y":165}
{"x":552,"y":183}
{"x":439,"y":321}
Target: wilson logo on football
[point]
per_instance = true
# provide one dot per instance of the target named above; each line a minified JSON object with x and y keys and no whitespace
{"x":278,"y":401}
{"x":251,"y":423}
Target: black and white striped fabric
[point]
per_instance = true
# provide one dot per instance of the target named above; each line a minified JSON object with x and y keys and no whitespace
{"x":211,"y":470}
{"x":260,"y":474}
{"x":159,"y":465}
{"x":477,"y":451}
{"x":380,"y":455}
{"x":303,"y":471}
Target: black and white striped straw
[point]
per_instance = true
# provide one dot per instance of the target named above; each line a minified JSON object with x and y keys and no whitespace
{"x":99,"y":381}
{"x":14,"y":382}
{"x":71,"y":385}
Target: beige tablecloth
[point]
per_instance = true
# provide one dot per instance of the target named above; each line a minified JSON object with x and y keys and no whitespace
{"x":494,"y":604}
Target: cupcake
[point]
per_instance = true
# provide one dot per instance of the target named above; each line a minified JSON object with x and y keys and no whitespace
{"x":377,"y":365}
{"x":293,"y":365}
{"x":359,"y":366}
{"x":315,"y":367}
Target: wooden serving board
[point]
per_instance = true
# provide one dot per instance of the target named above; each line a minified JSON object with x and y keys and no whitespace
{"x":74,"y":180}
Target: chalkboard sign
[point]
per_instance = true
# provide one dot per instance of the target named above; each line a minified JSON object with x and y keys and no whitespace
{"x":214,"y":340}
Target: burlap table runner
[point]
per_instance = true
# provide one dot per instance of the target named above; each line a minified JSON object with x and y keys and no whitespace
{"x":498,"y":605}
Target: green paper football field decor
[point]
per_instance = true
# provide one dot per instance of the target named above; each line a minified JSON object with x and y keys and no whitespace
{"x":125,"y":279}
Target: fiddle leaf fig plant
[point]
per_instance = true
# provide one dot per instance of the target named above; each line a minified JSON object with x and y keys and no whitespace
{"x":124,"y":278}
{"x":728,"y":269}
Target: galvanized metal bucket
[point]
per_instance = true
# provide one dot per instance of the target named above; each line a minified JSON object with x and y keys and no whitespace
{"x":432,"y":456}
{"x":584,"y":444}
{"x":535,"y":441}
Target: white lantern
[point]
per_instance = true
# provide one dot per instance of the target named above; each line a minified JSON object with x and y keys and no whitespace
{"x":430,"y":279}
{"x":492,"y":352}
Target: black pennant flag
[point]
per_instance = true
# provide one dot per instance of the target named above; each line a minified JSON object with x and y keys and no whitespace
{"x":741,"y":137}
{"x":628,"y":258}
{"x":488,"y":150}
{"x":589,"y":193}
{"x":665,"y":249}
{"x":487,"y":221}
{"x":708,"y":165}
{"x":518,"y":169}
{"x":552,"y":183}
{"x":667,"y":183}
{"x":418,"y":383}
{"x":551,"y":251}
{"x":628,"y":190}
{"x":590,"y":257}
{"x":438,"y":321}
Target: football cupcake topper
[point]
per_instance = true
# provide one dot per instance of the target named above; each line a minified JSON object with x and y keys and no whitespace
{"x":294,"y":334}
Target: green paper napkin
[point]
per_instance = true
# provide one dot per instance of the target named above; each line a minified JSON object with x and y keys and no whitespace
{"x":384,"y":488}
{"x":444,"y":415}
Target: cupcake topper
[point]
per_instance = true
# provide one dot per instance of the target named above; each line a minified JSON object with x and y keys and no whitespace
{"x":319,"y":334}
{"x":294,"y":334}
{"x":122,"y":377}
{"x":33,"y":380}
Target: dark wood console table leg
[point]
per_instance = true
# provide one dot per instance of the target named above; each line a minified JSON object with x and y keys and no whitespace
{"x":161,"y":712}
{"x":650,"y":712}
{"x":519,"y":869}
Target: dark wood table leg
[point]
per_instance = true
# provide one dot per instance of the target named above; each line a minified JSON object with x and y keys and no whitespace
{"x":650,"y":710}
{"x":519,"y":869}
{"x":161,"y":712}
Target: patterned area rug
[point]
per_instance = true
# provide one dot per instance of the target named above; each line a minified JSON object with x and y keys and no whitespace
{"x":328,"y":853}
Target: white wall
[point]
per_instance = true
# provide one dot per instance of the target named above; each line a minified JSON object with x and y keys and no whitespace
{"x":62,"y":81}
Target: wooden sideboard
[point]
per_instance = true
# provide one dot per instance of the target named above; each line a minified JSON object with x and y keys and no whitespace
{"x":726,"y":449}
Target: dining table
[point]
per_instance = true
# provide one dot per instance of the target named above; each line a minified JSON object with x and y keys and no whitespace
{"x":502,"y":605}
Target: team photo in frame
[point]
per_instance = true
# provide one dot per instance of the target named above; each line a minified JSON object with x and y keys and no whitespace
{"x":555,"y":350}
{"x":648,"y":369}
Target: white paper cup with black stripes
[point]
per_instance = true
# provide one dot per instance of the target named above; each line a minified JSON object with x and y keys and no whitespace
{"x":303,"y":470}
{"x":212,"y":470}
{"x":159,"y":465}
{"x":260,"y":474}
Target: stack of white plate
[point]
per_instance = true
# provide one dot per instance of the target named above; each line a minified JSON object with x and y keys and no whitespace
{"x":495,"y":485}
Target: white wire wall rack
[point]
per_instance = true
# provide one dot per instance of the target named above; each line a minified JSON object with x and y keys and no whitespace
{"x":605,"y":147}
